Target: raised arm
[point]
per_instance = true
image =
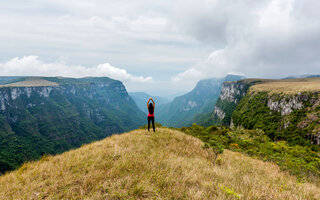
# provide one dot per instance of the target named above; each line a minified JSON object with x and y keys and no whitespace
{"x":150,"y":99}
{"x":148,"y":102}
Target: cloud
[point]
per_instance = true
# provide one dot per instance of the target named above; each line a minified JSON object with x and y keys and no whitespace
{"x":32,"y":66}
{"x":190,"y":75}
{"x":178,"y":42}
{"x":257,"y":38}
{"x":134,"y":34}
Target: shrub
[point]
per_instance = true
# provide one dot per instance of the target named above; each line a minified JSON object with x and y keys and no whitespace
{"x":302,"y":161}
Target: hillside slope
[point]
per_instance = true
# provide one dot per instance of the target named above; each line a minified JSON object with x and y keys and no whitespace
{"x":141,"y":165}
{"x":196,"y":104}
{"x":48,"y":115}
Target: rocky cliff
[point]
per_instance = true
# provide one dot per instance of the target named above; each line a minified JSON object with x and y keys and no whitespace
{"x":49,"y":119}
{"x":231,"y":93}
{"x":292,"y":117}
{"x":284,"y":109}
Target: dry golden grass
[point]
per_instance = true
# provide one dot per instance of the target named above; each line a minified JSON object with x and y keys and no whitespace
{"x":289,"y":86}
{"x":144,"y":165}
{"x":31,"y":82}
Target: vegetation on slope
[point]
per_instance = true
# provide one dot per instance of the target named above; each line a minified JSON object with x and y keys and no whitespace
{"x":142,"y":165}
{"x":302,"y":161}
{"x":204,"y":119}
{"x":252,"y":112}
{"x":271,"y":86}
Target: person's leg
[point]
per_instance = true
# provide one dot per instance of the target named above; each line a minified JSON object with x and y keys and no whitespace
{"x":148,"y":123}
{"x":154,"y":128}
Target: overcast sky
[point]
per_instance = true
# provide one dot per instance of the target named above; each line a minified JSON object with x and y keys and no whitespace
{"x":160,"y":47}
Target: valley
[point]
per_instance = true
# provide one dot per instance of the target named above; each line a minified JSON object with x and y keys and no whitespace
{"x":141,"y":99}
{"x":197,"y":104}
{"x":268,"y":126}
{"x":232,"y":87}
{"x":48,"y":115}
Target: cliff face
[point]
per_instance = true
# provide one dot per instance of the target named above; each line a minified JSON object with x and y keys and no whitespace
{"x":231,"y":93}
{"x":267,"y":105}
{"x":293,"y":117}
{"x":52,"y":119}
{"x":286,"y":104}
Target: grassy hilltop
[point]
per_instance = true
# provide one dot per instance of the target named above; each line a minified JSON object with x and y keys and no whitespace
{"x":288,"y":86}
{"x":167,"y":164}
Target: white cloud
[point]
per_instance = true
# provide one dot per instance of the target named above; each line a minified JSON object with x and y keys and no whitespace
{"x":191,"y":75}
{"x":134,"y":34}
{"x":257,"y":38}
{"x":32,"y":66}
{"x":178,"y":42}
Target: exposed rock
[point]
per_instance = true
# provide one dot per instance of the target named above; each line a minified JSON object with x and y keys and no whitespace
{"x":231,"y":90}
{"x":29,"y":91}
{"x":231,"y":123}
{"x":231,"y":93}
{"x":30,"y":105}
{"x":8,"y":94}
{"x":15,"y":92}
{"x":190,"y":105}
{"x":219,"y":112}
{"x":286,"y":105}
{"x":3,"y":106}
{"x":286,"y":125}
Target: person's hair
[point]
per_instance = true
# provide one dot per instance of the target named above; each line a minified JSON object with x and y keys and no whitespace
{"x":151,"y":108}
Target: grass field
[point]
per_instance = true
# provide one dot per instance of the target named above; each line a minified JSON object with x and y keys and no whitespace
{"x":289,"y":86}
{"x":144,"y":165}
{"x":31,"y":82}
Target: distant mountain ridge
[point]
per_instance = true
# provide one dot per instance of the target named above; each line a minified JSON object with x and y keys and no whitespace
{"x":61,"y":114}
{"x":141,"y":99}
{"x":195,"y":105}
{"x":303,"y":76}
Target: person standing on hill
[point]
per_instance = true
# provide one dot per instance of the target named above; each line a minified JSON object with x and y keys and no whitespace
{"x":151,"y":114}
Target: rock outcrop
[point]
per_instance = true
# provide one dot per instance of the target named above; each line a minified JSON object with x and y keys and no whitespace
{"x":231,"y":93}
{"x":219,"y":112}
{"x":286,"y":105}
{"x":280,"y":114}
